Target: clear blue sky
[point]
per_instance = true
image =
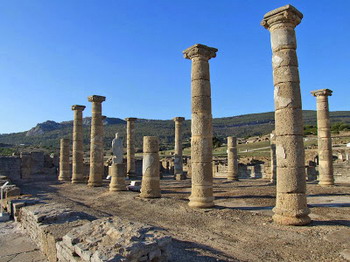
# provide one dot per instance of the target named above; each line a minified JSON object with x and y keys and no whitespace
{"x":54,"y":54}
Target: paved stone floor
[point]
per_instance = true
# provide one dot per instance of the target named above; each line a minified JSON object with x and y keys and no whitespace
{"x":15,"y":246}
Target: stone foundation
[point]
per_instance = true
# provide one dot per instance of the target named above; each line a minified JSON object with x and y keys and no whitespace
{"x":113,"y":239}
{"x":65,"y":235}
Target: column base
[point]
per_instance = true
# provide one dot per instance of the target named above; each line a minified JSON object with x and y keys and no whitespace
{"x":291,"y":221}
{"x":64,"y":179}
{"x":115,"y":189}
{"x":201,"y":202}
{"x":232,"y":179}
{"x":150,"y":195}
{"x":94,"y":184}
{"x":180,"y":177}
{"x":326,"y":183}
{"x":76,"y":181}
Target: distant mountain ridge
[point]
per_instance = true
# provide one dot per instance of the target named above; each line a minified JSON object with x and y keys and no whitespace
{"x":48,"y":134}
{"x":50,"y":125}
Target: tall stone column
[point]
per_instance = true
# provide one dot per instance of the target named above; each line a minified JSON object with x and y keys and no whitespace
{"x":232,"y":159}
{"x":130,"y":147}
{"x":178,"y":162}
{"x":78,"y":152}
{"x":325,"y":154}
{"x":150,"y":187}
{"x":201,"y":126}
{"x":273,"y":158}
{"x":291,"y":207}
{"x":64,"y":160}
{"x":96,"y":146}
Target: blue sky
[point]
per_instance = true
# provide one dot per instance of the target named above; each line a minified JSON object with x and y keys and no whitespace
{"x":54,"y":54}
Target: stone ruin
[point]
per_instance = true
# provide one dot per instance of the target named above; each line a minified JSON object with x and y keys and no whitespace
{"x":115,"y":239}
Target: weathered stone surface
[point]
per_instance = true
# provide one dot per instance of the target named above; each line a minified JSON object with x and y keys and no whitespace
{"x":178,"y":162}
{"x":273,"y":157}
{"x":150,"y":187}
{"x":232,"y":158}
{"x":201,"y":126}
{"x":114,"y":239}
{"x":291,"y":207}
{"x":65,"y":172}
{"x":78,"y":152}
{"x":48,"y":223}
{"x":130,"y":147}
{"x":96,"y":148}
{"x":10,"y":166}
{"x":326,"y":177}
{"x":117,"y":173}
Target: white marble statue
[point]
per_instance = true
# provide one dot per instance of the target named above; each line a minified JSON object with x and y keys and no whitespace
{"x":117,"y":148}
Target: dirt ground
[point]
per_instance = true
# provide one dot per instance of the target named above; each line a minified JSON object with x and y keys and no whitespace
{"x":239,"y":228}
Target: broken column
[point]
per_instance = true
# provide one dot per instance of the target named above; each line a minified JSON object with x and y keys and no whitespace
{"x":178,"y":162}
{"x":232,"y":159}
{"x":96,"y":146}
{"x":325,"y":154}
{"x":64,"y":160}
{"x":78,"y":151}
{"x":273,"y":158}
{"x":150,"y":187}
{"x":201,"y":126}
{"x":291,"y":207}
{"x":130,"y":147}
{"x":117,"y":177}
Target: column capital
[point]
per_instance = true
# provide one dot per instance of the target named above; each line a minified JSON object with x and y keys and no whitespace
{"x":78,"y":107}
{"x":178,"y":119}
{"x":322,"y":92}
{"x":199,"y":50}
{"x":130,"y":119}
{"x":96,"y":98}
{"x":286,"y":15}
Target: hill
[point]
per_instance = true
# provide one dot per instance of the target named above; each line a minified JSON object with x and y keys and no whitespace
{"x":47,"y":134}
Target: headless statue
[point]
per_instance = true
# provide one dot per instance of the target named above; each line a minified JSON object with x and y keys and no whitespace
{"x":117,"y":148}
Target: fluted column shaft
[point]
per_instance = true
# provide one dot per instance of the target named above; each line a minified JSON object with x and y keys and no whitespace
{"x":232,"y":158}
{"x":130,"y":147}
{"x":201,"y":126}
{"x":64,"y":174}
{"x":78,"y":151}
{"x":325,"y":154}
{"x":291,"y":207}
{"x":178,"y":162}
{"x":96,"y":146}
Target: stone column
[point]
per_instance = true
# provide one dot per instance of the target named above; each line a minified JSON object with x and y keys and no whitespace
{"x":130,"y":147}
{"x":232,"y":159}
{"x":273,"y":158}
{"x":291,"y":207}
{"x":150,"y":187}
{"x":178,"y":162}
{"x":201,"y":126}
{"x":64,"y":160}
{"x":325,"y":154}
{"x":96,"y":147}
{"x":78,"y":151}
{"x":117,"y":177}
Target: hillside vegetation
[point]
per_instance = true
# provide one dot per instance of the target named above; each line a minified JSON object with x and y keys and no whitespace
{"x":47,"y":134}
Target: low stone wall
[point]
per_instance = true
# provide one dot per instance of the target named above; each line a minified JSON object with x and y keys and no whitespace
{"x":113,"y":239}
{"x":341,"y":172}
{"x":65,"y":235}
{"x":10,"y":166}
{"x":47,"y":224}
